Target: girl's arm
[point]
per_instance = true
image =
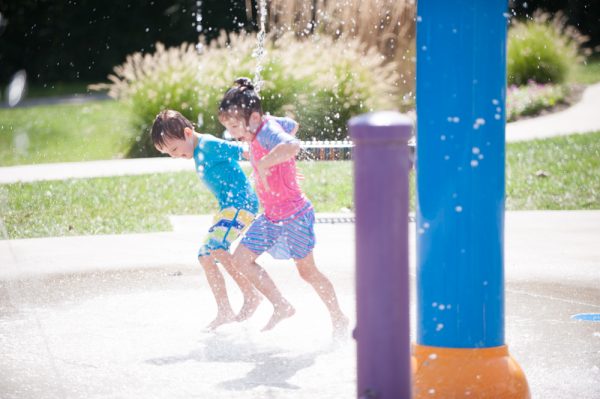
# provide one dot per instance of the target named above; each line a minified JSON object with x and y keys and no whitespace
{"x":280,"y":153}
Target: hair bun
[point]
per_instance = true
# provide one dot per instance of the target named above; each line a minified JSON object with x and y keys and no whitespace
{"x":244,"y":82}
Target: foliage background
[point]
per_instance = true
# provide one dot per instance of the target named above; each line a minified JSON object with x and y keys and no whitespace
{"x":71,"y":40}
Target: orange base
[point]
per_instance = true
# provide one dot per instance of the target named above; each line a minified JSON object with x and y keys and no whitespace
{"x":451,"y":373}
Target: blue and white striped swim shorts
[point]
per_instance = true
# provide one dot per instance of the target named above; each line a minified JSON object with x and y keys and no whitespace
{"x":293,"y":237}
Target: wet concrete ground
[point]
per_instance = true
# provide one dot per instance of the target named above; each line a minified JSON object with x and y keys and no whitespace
{"x":131,"y":331}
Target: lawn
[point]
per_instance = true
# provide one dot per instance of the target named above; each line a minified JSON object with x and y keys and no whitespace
{"x":140,"y":203}
{"x":63,"y":133}
{"x":588,"y":72}
{"x":557,"y":173}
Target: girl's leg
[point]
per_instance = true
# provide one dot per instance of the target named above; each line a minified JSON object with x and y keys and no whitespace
{"x":321,"y":284}
{"x":217,"y":285}
{"x":245,"y":261}
{"x":251,"y":297}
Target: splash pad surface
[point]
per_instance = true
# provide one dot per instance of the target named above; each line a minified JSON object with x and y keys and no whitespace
{"x":78,"y":326}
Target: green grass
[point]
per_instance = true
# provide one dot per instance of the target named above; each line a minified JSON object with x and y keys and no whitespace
{"x":129,"y":204}
{"x":587,"y":73}
{"x":63,"y":133}
{"x":133,"y":204}
{"x":557,"y":173}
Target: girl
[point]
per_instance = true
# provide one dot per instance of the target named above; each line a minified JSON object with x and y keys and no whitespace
{"x":286,"y":228}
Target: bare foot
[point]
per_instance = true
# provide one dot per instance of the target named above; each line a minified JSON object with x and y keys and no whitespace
{"x":248,"y":308}
{"x":222,"y":318}
{"x":280,"y":313}
{"x":340,"y":327}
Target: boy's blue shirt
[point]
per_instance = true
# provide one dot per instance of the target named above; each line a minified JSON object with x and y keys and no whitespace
{"x":217,"y":165}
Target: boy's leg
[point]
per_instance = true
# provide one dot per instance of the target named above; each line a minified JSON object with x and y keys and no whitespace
{"x":321,"y":284}
{"x":216,"y":282}
{"x":245,"y":261}
{"x":251,"y":298}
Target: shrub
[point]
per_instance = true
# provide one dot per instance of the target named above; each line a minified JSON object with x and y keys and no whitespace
{"x":318,"y":81}
{"x":543,"y":49}
{"x":533,"y":98}
{"x":387,"y":25}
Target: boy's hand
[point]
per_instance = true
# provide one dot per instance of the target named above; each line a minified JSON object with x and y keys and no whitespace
{"x":263,"y":172}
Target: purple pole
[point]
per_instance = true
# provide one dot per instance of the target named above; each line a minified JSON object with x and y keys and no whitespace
{"x":381,"y":166}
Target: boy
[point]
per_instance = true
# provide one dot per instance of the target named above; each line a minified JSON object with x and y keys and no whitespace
{"x":217,"y":166}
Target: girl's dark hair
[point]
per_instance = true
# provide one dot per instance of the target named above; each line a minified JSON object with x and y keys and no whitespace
{"x":169,"y":124}
{"x":241,"y":100}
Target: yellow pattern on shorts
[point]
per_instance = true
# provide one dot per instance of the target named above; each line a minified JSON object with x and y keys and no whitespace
{"x":228,"y":225}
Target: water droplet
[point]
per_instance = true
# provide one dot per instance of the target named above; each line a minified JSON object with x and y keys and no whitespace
{"x":458,"y":208}
{"x":474,"y":163}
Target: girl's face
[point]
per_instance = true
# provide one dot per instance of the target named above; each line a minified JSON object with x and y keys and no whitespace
{"x":239,"y":129}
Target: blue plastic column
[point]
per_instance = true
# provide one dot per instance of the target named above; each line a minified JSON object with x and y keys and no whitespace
{"x":461,"y":80}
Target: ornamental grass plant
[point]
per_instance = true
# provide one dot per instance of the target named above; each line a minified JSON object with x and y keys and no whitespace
{"x":543,"y":49}
{"x":319,"y":81}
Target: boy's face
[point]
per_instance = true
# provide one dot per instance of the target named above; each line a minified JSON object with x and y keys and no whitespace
{"x":179,"y":148}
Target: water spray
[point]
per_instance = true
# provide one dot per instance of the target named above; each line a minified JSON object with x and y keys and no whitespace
{"x":259,"y":51}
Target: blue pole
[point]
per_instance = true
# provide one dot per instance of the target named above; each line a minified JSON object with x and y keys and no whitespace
{"x":461,"y":92}
{"x":461,"y":89}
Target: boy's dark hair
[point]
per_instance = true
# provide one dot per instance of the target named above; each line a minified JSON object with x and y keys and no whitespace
{"x":241,"y":100}
{"x":168,"y":124}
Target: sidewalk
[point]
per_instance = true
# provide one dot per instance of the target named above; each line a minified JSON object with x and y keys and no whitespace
{"x":583,"y":117}
{"x":122,"y":316}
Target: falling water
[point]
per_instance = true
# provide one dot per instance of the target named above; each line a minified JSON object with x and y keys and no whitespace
{"x":199,"y":49}
{"x":259,"y":51}
{"x":199,"y":16}
{"x":199,"y":46}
